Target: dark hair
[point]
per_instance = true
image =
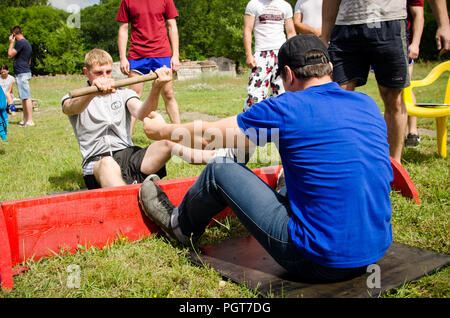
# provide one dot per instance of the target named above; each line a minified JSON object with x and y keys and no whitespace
{"x":16,"y":30}
{"x":4,"y":67}
{"x":308,"y":71}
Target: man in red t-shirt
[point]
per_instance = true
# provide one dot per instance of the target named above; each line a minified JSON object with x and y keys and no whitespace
{"x":152,"y":45}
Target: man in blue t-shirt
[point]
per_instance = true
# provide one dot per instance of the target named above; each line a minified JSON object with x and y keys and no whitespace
{"x":333,"y":218}
{"x":20,"y":50}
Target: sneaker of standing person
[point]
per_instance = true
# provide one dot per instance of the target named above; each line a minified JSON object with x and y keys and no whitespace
{"x":412,"y":140}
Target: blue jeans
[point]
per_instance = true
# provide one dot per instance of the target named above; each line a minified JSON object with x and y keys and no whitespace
{"x":23,"y":85}
{"x":264,"y":212}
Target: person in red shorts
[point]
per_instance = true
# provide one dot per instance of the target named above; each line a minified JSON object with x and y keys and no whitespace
{"x":154,"y":43}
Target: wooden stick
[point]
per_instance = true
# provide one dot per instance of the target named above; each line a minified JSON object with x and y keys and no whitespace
{"x":119,"y":83}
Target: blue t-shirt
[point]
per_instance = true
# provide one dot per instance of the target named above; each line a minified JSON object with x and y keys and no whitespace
{"x":335,"y":155}
{"x":22,"y":58}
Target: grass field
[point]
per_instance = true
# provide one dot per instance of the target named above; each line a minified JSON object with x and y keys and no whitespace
{"x":39,"y":160}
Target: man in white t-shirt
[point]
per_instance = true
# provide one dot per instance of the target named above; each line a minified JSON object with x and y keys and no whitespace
{"x":267,"y":19}
{"x":308,"y":17}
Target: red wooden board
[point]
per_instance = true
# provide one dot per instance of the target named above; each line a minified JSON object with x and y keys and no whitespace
{"x":403,"y":183}
{"x":42,"y":227}
{"x":5,"y":255}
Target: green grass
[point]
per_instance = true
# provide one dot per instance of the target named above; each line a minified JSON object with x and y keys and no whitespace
{"x":46,"y":158}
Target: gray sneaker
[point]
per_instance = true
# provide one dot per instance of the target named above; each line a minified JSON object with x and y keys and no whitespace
{"x":157,"y":206}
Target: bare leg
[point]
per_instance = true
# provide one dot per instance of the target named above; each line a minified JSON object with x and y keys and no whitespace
{"x":107,"y":173}
{"x":171,"y":103}
{"x":412,"y":121}
{"x":159,"y":152}
{"x":27,"y":111}
{"x":349,"y":86}
{"x":412,"y":124}
{"x":396,"y":119}
{"x":138,"y":88}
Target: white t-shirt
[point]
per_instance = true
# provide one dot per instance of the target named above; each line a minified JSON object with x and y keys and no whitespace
{"x":6,"y":82}
{"x":311,"y":11}
{"x":269,"y":22}
{"x":370,"y":11}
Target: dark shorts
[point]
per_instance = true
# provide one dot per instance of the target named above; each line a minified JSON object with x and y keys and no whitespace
{"x":354,"y":48}
{"x":129,"y":160}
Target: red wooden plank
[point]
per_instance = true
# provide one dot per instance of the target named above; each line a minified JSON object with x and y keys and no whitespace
{"x":40,"y":227}
{"x":6,"y":275}
{"x":403,"y":183}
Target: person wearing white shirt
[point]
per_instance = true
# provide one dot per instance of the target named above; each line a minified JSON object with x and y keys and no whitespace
{"x":267,"y":19}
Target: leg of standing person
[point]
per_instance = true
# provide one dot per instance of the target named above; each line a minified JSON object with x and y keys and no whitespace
{"x":390,"y":65}
{"x":413,"y":138}
{"x":396,"y":118}
{"x":259,"y":80}
{"x":171,"y":103}
{"x":138,"y":88}
{"x":276,"y":83}
{"x":23,"y":84}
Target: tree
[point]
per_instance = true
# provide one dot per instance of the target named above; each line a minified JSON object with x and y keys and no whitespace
{"x":23,"y":3}
{"x":99,"y":26}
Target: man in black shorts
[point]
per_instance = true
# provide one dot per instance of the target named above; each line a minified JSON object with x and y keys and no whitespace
{"x":101,"y":123}
{"x":374,"y":35}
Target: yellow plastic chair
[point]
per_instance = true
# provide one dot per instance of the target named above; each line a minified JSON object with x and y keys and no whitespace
{"x":432,"y":110}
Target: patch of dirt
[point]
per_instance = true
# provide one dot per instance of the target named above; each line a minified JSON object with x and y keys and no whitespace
{"x":191,"y":116}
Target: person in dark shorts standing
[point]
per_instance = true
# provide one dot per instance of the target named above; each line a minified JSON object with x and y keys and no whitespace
{"x":20,"y":50}
{"x":362,"y":34}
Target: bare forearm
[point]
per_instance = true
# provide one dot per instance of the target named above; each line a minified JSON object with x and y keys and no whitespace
{"x":77,"y":105}
{"x":330,"y":9}
{"x":173,"y":38}
{"x":11,"y":51}
{"x":249,"y":22}
{"x":122,"y":40}
{"x":151,"y":102}
{"x":248,"y":43}
{"x":439,"y":8}
{"x":290,"y":28}
{"x":417,"y":24}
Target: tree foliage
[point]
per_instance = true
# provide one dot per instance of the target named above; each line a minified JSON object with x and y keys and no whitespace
{"x":99,"y":26}
{"x":23,"y":3}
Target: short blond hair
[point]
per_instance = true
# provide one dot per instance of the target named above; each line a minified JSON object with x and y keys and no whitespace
{"x":97,"y":56}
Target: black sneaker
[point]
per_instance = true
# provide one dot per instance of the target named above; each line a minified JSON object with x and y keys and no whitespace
{"x":412,"y":140}
{"x":157,"y":206}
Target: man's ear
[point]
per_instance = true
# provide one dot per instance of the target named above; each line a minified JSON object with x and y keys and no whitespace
{"x":289,"y":75}
{"x":85,"y":71}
